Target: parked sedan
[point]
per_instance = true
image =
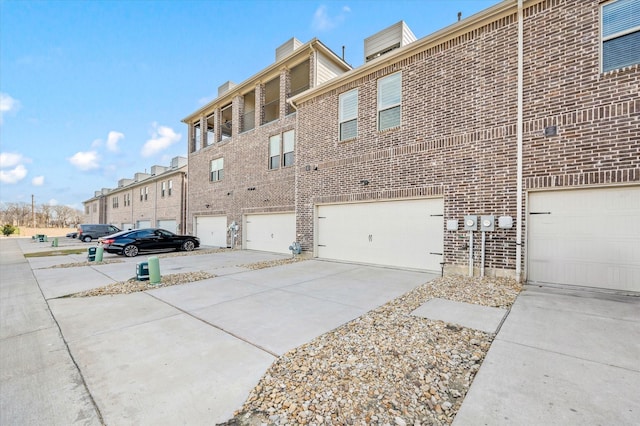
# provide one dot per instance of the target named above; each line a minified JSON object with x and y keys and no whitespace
{"x":132,"y":242}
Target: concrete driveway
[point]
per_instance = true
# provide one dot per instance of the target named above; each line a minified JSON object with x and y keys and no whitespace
{"x":190,"y":354}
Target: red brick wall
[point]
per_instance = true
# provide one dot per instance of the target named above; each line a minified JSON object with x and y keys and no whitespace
{"x":246,"y":165}
{"x":458,"y":132}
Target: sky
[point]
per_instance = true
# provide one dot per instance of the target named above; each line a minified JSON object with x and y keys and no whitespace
{"x":94,"y":91}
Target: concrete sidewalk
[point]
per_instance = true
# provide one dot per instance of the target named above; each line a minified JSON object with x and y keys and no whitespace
{"x":562,"y":357}
{"x":39,"y":381}
{"x":190,"y":354}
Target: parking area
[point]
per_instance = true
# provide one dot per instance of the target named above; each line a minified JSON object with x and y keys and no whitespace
{"x":191,"y":353}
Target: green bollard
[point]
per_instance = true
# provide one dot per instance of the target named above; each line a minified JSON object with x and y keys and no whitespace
{"x":99,"y":253}
{"x":55,"y":242}
{"x":154,"y":270}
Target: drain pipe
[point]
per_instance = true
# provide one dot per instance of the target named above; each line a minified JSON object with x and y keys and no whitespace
{"x":519,"y":142}
{"x":471,"y":253}
{"x":482,"y":255}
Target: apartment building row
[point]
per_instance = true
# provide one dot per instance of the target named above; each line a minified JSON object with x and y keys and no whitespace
{"x":154,"y":199}
{"x":507,"y":143}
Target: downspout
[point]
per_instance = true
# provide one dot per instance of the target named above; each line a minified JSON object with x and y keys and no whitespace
{"x":519,"y":143}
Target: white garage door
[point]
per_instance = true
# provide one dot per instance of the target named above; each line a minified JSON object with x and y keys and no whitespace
{"x":212,"y":230}
{"x":394,"y":233}
{"x":141,"y":224}
{"x":270,"y":232}
{"x":587,"y":237}
{"x":169,"y":225}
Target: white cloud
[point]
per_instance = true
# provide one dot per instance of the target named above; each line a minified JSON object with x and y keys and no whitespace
{"x":323,"y":22}
{"x":113,"y":139}
{"x":7,"y":104}
{"x":14,"y":175}
{"x":37,"y":181}
{"x":53,"y":202}
{"x":96,"y":143}
{"x":85,"y":160}
{"x":162,"y":137}
{"x":8,"y":159}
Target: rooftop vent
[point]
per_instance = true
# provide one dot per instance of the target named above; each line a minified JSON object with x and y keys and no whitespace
{"x":287,"y":48}
{"x":226,"y":87}
{"x":391,"y":38}
{"x":177,"y":162}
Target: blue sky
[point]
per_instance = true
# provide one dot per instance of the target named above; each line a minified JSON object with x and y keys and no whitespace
{"x":94,"y":91}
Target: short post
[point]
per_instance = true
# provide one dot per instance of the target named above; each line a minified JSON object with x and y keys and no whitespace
{"x":154,"y":270}
{"x":99,"y":253}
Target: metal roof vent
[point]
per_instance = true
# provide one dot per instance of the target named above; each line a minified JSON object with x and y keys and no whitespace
{"x":389,"y":39}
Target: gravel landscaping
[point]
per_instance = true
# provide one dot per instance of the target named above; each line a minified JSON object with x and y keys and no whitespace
{"x":386,"y":367}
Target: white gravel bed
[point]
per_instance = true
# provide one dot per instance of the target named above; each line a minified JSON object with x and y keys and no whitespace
{"x":386,"y":367}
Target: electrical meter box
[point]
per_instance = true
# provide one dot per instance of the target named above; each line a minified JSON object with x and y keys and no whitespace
{"x":471,"y":223}
{"x":142,"y":271}
{"x":487,"y":223}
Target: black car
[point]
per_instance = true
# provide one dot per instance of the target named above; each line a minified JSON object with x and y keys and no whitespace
{"x":131,"y":242}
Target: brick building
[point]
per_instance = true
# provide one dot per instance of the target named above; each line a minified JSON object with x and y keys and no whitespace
{"x":155,"y":199}
{"x":505,"y":144}
{"x":241,"y":152}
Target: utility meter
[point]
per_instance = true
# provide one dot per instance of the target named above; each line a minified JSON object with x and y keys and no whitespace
{"x":487,"y":223}
{"x":470,"y":223}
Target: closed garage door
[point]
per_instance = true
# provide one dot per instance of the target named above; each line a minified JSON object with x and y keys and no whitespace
{"x":394,"y":233}
{"x":169,"y":225}
{"x":588,"y":237}
{"x":141,"y":224}
{"x":212,"y":230}
{"x":270,"y":232}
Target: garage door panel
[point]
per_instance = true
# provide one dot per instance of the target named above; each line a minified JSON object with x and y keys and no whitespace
{"x":270,"y":232}
{"x":590,"y":238}
{"x":394,"y":233}
{"x":212,"y":230}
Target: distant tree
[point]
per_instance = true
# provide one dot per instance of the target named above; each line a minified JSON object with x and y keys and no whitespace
{"x":8,"y":229}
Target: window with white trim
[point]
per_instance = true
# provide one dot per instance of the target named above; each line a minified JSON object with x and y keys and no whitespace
{"x":620,"y":34}
{"x":274,"y":152}
{"x":288,"y":147}
{"x":348,"y":114}
{"x":217,"y":170}
{"x":114,"y":202}
{"x":170,"y":187}
{"x":196,"y":137}
{"x":282,"y":149}
{"x":389,"y":101}
{"x":163,"y":189}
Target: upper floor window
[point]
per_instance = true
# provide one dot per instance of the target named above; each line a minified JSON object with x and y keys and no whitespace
{"x":620,"y":34}
{"x":170,"y":187}
{"x":211,"y":131}
{"x":196,"y":137}
{"x":281,"y":149}
{"x":146,"y":193}
{"x":163,"y":189}
{"x":271,"y":108}
{"x":114,"y":202}
{"x":127,"y":199}
{"x":217,"y":169}
{"x":141,"y":194}
{"x":274,"y":152}
{"x":389,"y":101}
{"x":348,"y":115}
{"x":288,"y":146}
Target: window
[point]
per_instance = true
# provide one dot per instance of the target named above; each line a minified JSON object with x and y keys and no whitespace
{"x":274,"y":152}
{"x":141,"y":194}
{"x":127,"y":199}
{"x":620,"y":34}
{"x":288,"y":146}
{"x":226,"y":118}
{"x":195,"y":142}
{"x":114,"y":202}
{"x":170,"y":187}
{"x":146,"y":193}
{"x":211,"y":132}
{"x":271,"y":108}
{"x":348,"y":115}
{"x":217,"y":169}
{"x":389,"y":101}
{"x":163,"y":189}
{"x":282,"y":144}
